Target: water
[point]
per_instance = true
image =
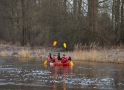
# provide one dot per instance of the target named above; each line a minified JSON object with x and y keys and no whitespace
{"x":18,"y":74}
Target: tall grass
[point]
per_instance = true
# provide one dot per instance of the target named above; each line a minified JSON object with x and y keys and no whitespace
{"x":24,"y":54}
{"x":4,"y":43}
{"x":81,"y":52}
{"x":95,"y":54}
{"x":3,"y":54}
{"x":38,"y":53}
{"x":86,"y":53}
{"x":28,"y":53}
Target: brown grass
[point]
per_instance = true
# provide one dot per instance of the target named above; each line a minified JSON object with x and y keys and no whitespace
{"x":4,"y":43}
{"x":38,"y":53}
{"x":3,"y":54}
{"x":95,"y":54}
{"x":24,"y":54}
{"x":28,"y":53}
{"x":86,"y":55}
{"x":92,"y":53}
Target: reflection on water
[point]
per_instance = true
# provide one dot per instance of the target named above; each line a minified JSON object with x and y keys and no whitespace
{"x":31,"y":74}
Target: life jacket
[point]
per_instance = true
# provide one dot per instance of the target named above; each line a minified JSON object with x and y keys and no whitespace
{"x":53,"y":59}
{"x":64,"y":60}
{"x":56,"y":60}
{"x":49,"y":59}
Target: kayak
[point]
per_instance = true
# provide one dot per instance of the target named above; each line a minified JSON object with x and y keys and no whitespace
{"x":55,"y":64}
{"x":65,"y":64}
{"x":61,"y":64}
{"x":69,"y":63}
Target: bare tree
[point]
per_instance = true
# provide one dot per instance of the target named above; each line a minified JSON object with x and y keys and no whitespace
{"x":40,"y":22}
{"x":93,"y":13}
{"x":122,"y":21}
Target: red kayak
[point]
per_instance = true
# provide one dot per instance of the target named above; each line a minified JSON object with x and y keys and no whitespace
{"x":55,"y":64}
{"x":65,"y":64}
{"x":60,"y":64}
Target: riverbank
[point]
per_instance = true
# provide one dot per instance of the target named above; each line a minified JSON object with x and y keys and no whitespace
{"x":112,"y":55}
{"x":98,"y":54}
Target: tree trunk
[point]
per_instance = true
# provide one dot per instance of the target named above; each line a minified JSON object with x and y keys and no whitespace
{"x":24,"y":29}
{"x":75,"y":8}
{"x":93,"y":13}
{"x":79,"y":9}
{"x":122,"y":22}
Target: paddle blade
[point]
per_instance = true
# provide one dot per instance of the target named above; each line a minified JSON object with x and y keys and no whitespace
{"x":71,"y":67}
{"x":45,"y":62}
{"x":54,"y":43}
{"x":64,"y":45}
{"x":71,"y":63}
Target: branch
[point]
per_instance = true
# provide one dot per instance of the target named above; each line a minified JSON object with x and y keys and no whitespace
{"x":102,"y":1}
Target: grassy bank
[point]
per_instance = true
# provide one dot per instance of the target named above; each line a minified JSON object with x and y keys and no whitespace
{"x":92,"y":53}
{"x":9,"y":50}
{"x":97,"y":54}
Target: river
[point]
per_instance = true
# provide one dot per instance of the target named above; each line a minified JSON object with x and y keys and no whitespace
{"x":20,"y":74}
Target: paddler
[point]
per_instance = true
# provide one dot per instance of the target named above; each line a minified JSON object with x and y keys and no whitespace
{"x":64,"y":59}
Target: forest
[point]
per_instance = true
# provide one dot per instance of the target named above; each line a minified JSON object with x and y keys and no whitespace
{"x":40,"y":22}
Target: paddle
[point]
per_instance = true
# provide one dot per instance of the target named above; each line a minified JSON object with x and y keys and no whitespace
{"x":45,"y":62}
{"x":64,"y":45}
{"x":54,"y":44}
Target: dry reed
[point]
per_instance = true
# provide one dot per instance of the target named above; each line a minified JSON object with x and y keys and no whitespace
{"x":4,"y":43}
{"x":84,"y":53}
{"x":24,"y":54}
{"x":38,"y":54}
{"x":92,"y":53}
{"x":3,"y":54}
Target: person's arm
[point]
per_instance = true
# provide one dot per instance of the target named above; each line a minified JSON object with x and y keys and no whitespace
{"x":69,"y":58}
